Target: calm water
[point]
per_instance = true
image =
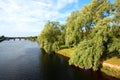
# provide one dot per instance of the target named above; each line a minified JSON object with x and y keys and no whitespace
{"x":23,"y":60}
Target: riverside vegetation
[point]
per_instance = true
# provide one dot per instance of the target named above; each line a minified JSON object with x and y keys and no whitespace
{"x":93,"y":33}
{"x":2,"y":38}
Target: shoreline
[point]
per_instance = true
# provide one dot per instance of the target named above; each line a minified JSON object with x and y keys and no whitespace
{"x":108,"y":67}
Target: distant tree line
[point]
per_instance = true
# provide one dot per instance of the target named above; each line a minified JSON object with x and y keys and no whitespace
{"x":32,"y":38}
{"x":94,"y":32}
{"x":2,"y":38}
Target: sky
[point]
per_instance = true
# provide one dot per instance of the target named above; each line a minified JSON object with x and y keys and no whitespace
{"x":28,"y":17}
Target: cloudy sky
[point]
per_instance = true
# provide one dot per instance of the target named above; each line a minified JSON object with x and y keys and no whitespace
{"x":27,"y":17}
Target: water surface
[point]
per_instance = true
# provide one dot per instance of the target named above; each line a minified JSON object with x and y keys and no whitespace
{"x":24,"y":60}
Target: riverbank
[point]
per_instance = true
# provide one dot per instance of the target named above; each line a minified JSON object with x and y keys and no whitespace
{"x":2,"y":39}
{"x":110,"y":66}
{"x":66,"y":52}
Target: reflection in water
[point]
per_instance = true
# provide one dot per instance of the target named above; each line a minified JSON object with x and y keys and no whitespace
{"x":23,"y":60}
{"x":55,"y":67}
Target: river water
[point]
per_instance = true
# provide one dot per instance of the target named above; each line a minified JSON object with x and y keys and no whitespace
{"x":24,"y":60}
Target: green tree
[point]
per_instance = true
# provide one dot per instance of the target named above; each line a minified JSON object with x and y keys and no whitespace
{"x":85,"y":20}
{"x":71,"y":31}
{"x":102,"y":43}
{"x":116,"y":12}
{"x":49,"y":36}
{"x":103,"y":40}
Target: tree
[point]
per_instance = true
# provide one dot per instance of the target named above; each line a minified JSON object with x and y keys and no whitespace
{"x":94,"y":31}
{"x":71,"y":31}
{"x":49,"y":36}
{"x":85,"y":20}
{"x":102,"y":40}
{"x":116,"y":12}
{"x":102,"y":43}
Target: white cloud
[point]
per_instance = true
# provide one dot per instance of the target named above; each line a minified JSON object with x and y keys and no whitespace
{"x":44,"y":4}
{"x":30,"y":15}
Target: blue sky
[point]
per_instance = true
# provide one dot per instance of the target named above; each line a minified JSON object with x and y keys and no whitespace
{"x":27,"y":17}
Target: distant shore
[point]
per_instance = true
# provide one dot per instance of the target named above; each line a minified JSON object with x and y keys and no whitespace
{"x":2,"y":39}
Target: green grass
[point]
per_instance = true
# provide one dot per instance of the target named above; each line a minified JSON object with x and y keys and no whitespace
{"x":66,"y":52}
{"x":110,"y":71}
{"x":113,"y":69}
{"x":113,"y":60}
{"x":106,"y":69}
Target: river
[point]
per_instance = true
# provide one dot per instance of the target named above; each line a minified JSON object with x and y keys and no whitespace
{"x":24,"y":60}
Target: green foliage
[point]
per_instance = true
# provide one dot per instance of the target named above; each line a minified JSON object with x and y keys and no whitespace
{"x":116,"y":13}
{"x":50,"y":37}
{"x":101,"y":43}
{"x":56,"y":46}
{"x":111,"y":71}
{"x":72,"y":35}
{"x":114,"y":45}
{"x":32,"y":38}
{"x":104,"y":38}
{"x":94,"y":31}
{"x":2,"y":38}
{"x":84,"y":20}
{"x":88,"y":53}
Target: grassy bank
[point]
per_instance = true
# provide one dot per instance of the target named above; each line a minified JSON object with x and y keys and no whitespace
{"x":110,"y":66}
{"x":66,"y":52}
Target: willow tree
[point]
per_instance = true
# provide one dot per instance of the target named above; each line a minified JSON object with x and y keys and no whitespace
{"x":89,"y":51}
{"x":85,"y":20}
{"x":116,"y":12}
{"x":48,"y":39}
{"x":72,"y":35}
{"x":104,"y":35}
{"x":114,"y":46}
